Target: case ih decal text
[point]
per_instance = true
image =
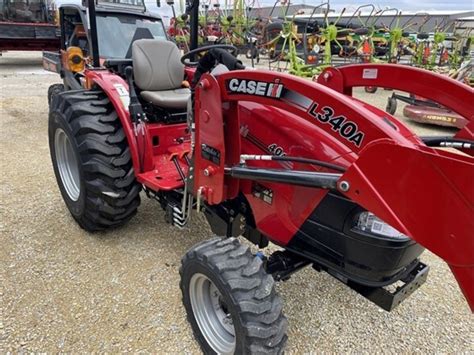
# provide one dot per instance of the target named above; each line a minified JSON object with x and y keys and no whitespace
{"x":340,"y":124}
{"x":253,"y":87}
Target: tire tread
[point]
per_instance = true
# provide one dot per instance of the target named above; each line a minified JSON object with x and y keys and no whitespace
{"x":112,"y":192}
{"x":260,"y":308}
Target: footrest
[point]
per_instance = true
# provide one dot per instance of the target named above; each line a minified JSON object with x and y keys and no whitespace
{"x":389,"y":300}
{"x":166,"y":177}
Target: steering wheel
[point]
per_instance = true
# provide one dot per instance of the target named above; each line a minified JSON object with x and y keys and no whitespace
{"x":185,"y":59}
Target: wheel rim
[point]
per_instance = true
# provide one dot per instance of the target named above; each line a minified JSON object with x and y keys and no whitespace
{"x":212,"y":314}
{"x":67,"y":164}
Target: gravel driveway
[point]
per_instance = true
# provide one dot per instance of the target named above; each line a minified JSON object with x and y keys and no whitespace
{"x":63,"y":290}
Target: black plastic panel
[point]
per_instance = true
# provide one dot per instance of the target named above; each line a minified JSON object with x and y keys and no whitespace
{"x":327,"y":239}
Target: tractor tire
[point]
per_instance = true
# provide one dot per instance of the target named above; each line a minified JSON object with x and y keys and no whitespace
{"x":54,"y":90}
{"x":230,"y":300}
{"x":91,"y":160}
{"x":391,"y":107}
{"x":272,"y":30}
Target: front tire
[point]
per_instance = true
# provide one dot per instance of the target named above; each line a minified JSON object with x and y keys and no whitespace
{"x":91,"y":160}
{"x":230,"y":300}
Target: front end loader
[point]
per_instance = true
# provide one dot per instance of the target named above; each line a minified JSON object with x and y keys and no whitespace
{"x":337,"y":184}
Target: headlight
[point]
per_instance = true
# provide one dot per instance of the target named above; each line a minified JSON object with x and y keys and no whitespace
{"x":369,"y":223}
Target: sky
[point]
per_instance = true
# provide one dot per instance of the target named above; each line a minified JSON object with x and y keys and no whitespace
{"x":407,"y":5}
{"x":403,"y":5}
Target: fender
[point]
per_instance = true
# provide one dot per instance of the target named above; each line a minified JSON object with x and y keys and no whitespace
{"x":116,"y":90}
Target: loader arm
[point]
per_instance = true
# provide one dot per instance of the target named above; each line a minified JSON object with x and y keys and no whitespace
{"x":453,"y":175}
{"x":390,"y":171}
{"x":450,"y":93}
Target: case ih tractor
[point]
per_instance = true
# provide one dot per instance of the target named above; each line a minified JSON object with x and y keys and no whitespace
{"x":338,"y":184}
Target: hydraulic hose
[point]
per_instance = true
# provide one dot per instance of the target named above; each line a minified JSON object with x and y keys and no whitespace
{"x":448,"y":142}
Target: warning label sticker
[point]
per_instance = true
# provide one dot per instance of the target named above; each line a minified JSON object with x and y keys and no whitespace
{"x":123,"y":94}
{"x":369,"y":74}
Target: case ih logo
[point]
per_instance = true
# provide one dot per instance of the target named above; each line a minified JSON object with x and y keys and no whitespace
{"x":259,"y":88}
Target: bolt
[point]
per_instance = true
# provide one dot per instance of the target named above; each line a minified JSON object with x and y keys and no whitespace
{"x":344,"y":186}
{"x":205,"y":84}
{"x":209,"y":171}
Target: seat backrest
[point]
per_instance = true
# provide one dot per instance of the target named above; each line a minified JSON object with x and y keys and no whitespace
{"x":157,"y":65}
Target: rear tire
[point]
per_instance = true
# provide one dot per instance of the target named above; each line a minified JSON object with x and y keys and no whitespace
{"x":91,"y":160}
{"x":231,"y":301}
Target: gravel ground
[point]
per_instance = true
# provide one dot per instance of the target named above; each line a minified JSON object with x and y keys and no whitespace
{"x":63,"y":290}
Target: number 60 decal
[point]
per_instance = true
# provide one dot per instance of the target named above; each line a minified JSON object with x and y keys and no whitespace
{"x":340,"y":124}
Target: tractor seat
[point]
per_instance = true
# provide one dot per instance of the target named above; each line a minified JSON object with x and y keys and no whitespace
{"x":159,"y":73}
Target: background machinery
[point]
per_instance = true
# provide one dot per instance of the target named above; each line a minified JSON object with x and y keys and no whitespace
{"x":27,"y":25}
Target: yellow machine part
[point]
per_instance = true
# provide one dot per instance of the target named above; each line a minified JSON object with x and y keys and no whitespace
{"x":75,"y":59}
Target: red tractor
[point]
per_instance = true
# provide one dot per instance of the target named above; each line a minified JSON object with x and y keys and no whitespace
{"x":338,"y":184}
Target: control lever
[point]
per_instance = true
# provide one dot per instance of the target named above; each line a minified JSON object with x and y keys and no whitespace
{"x":135,"y":108}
